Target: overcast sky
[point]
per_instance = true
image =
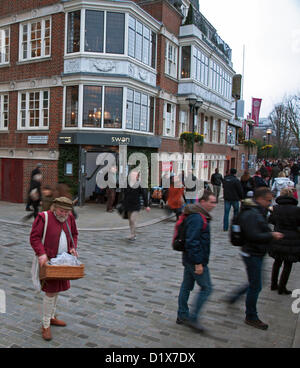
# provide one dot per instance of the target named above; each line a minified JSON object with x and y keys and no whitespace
{"x":270,"y":31}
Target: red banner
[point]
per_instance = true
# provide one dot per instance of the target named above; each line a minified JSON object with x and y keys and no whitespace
{"x":256,"y":104}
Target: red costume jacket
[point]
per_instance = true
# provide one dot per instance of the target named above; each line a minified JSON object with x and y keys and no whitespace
{"x":51,"y":245}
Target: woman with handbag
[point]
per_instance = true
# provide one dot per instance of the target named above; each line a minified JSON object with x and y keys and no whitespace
{"x":132,"y":202}
{"x":286,"y":219}
{"x":58,"y":229}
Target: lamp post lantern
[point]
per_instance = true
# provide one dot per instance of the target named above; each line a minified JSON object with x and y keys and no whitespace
{"x":194,"y":103}
{"x":250,"y":123}
{"x":269,"y":132}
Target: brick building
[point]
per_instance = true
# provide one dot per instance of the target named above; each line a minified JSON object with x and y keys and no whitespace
{"x":78,"y":77}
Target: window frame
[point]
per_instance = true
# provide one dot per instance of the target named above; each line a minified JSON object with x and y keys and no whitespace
{"x":27,"y":110}
{"x":2,"y":111}
{"x":172,"y":116}
{"x":3,"y":54}
{"x":171,"y":64}
{"x":149,"y":108}
{"x":28,"y":41}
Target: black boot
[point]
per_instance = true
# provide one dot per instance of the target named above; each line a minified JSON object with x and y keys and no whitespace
{"x":284,"y":279}
{"x":275,"y":272}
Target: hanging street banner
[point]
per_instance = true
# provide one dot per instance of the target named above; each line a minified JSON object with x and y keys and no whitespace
{"x":256,"y":104}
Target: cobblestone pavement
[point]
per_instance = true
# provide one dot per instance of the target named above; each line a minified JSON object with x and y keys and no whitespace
{"x":129,"y":295}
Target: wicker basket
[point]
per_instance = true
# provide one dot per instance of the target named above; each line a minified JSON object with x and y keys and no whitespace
{"x":49,"y":272}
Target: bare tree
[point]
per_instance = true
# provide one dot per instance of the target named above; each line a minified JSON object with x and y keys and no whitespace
{"x":293,"y":117}
{"x":281,"y":128}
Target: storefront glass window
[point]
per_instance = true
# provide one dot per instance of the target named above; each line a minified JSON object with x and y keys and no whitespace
{"x":113,"y":99}
{"x":92,"y":106}
{"x":71,"y":119}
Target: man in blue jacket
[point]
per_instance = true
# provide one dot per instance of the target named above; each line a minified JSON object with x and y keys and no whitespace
{"x":195,"y":260}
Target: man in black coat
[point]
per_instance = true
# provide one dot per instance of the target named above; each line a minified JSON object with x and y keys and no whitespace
{"x":257,"y":238}
{"x":233,"y":193}
{"x":216,"y":181}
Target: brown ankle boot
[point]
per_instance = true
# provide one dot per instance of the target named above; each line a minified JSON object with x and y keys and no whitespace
{"x":56,"y":322}
{"x":46,"y":333}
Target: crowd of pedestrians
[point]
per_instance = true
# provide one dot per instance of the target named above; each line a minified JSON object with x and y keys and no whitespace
{"x":266,"y":199}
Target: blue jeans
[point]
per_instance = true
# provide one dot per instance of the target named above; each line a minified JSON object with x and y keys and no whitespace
{"x":227,"y":207}
{"x":190,"y":201}
{"x":189,"y":279}
{"x":253,"y":288}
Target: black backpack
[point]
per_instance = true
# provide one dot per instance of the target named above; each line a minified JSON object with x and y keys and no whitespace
{"x":178,"y":242}
{"x":237,"y":238}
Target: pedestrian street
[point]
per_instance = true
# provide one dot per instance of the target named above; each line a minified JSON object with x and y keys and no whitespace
{"x":129,"y":296}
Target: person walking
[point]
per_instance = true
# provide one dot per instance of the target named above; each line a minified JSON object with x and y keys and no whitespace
{"x":132,"y":202}
{"x":247,"y":183}
{"x":35,"y":195}
{"x":257,"y":237}
{"x":61,"y":223}
{"x":233,"y":193}
{"x":275,"y":172}
{"x":280,"y":183}
{"x":295,"y":173}
{"x":286,"y":219}
{"x":35,"y":173}
{"x":190,"y":183}
{"x":216,"y":181}
{"x":195,"y":260}
{"x":175,"y":196}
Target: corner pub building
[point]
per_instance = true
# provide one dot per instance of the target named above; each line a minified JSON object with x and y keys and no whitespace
{"x":78,"y":77}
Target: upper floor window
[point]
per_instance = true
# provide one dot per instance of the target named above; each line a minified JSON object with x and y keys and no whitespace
{"x":183,"y":122}
{"x":33,"y":110}
{"x":171,"y":59}
{"x":103,"y":32}
{"x":186,"y":62}
{"x":35,"y":39}
{"x":200,"y":61}
{"x":4,"y":109}
{"x":73,"y":38}
{"x":220,"y":80}
{"x":206,"y":130}
{"x":169,"y":119}
{"x":215,"y":132}
{"x":141,"y":42}
{"x":223,"y":132}
{"x":4,"y":45}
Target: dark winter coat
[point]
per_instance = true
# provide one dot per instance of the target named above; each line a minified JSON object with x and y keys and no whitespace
{"x":133,"y":197}
{"x":286,"y":219}
{"x":197,"y":240}
{"x":233,"y":190}
{"x":247,"y":185}
{"x":254,"y":226}
{"x":216,"y":179}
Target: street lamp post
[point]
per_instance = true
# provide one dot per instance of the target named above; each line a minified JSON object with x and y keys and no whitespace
{"x":250,"y":123}
{"x":194,"y":104}
{"x":269,"y":132}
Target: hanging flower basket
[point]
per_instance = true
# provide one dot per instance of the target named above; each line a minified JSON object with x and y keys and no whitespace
{"x":268,"y":147}
{"x":249,"y":143}
{"x":187,"y":139}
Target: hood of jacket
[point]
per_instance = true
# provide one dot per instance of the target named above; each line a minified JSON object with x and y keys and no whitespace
{"x":281,"y":182}
{"x":191,"y":209}
{"x":283,"y":200}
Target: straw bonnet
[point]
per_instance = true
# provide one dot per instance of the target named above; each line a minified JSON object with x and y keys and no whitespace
{"x":64,"y":203}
